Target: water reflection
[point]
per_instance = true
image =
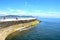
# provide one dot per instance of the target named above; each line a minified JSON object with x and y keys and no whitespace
{"x":23,"y":35}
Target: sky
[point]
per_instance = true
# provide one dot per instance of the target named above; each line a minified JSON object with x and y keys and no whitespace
{"x":40,"y":8}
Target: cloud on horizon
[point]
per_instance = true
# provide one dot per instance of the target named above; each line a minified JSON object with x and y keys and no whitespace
{"x":38,"y":13}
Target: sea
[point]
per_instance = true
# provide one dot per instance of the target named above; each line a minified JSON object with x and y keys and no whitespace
{"x":47,"y":29}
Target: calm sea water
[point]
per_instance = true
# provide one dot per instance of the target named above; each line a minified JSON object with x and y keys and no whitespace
{"x":48,"y":29}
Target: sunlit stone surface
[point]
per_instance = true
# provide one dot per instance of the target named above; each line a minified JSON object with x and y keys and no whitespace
{"x":12,"y":25}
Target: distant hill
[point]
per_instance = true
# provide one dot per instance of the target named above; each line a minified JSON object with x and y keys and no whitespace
{"x":17,"y":16}
{"x":14,"y":16}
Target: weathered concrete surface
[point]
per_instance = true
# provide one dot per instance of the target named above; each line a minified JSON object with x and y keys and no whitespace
{"x":5,"y":31}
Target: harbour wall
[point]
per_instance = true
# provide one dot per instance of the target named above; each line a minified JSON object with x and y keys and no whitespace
{"x":9,"y":27}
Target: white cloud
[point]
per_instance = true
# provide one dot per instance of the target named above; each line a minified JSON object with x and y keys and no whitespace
{"x":2,"y":13}
{"x":46,"y":15}
{"x":39,"y":13}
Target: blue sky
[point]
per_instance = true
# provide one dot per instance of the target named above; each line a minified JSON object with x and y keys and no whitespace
{"x":41,"y":8}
